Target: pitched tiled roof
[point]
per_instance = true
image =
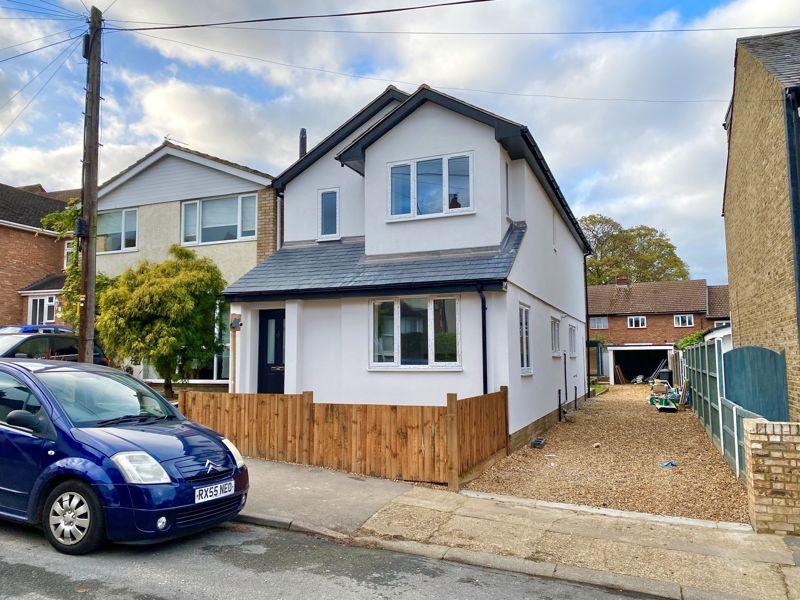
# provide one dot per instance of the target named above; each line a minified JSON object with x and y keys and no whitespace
{"x":65,"y":195}
{"x":779,"y":53}
{"x":342,"y":267}
{"x":25,"y":208}
{"x":51,"y":282}
{"x":718,"y":302}
{"x":648,"y":297}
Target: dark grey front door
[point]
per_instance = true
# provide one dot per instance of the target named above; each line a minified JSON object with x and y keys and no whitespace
{"x":270,"y":351}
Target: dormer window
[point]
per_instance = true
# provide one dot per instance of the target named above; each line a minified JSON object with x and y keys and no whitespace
{"x":430,"y":187}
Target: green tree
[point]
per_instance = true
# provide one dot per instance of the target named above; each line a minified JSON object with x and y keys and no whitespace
{"x":640,"y":253}
{"x":163,"y":314}
{"x":63,"y":223}
{"x":690,"y":340}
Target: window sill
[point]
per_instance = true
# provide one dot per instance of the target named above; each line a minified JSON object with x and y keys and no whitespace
{"x":526,"y":374}
{"x":573,"y":356}
{"x":125,"y":251}
{"x":452,"y":213}
{"x":416,"y":369}
{"x":193,"y":244}
{"x":557,"y":354}
{"x":329,"y":238}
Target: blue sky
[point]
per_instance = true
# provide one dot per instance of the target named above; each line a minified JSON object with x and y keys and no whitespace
{"x":653,"y":163}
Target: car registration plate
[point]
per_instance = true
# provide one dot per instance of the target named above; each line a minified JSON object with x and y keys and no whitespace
{"x":212,"y":492}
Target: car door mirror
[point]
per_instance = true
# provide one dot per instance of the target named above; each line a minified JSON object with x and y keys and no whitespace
{"x":24,"y":419}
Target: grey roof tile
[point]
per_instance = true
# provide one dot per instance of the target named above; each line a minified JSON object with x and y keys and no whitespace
{"x":343,"y":266}
{"x":779,"y":53}
{"x":25,"y":208}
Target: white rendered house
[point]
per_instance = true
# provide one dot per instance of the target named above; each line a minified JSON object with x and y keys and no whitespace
{"x":427,"y":250}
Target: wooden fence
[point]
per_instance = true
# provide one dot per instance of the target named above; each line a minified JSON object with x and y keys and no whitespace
{"x":437,"y":444}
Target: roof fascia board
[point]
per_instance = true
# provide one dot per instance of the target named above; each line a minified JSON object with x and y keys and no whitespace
{"x":30,"y":228}
{"x":40,"y":292}
{"x":392,"y":94}
{"x":169,"y":151}
{"x":391,"y":290}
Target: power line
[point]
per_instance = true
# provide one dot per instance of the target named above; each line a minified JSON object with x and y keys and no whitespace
{"x":44,"y":37}
{"x":69,"y":10}
{"x":301,"y":17}
{"x":39,"y":91}
{"x":61,"y":11}
{"x":487,"y":33}
{"x":37,"y":12}
{"x":38,"y":49}
{"x":442,"y":87}
{"x":32,"y":79}
{"x":37,"y":18}
{"x":107,"y":8}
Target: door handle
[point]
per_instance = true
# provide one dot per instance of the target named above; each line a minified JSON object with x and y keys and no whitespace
{"x":277,"y":368}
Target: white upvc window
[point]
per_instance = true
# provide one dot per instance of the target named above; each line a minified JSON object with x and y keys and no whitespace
{"x":41,"y":310}
{"x":430,"y":187}
{"x":555,"y":231}
{"x":598,"y":322}
{"x":218,"y":220}
{"x":69,"y":250}
{"x":555,"y":336}
{"x":525,"y":339}
{"x":637,"y":322}
{"x":721,"y":323}
{"x":415,"y":332}
{"x":507,"y":198}
{"x":328,"y":214}
{"x":683,"y":320}
{"x":573,"y":341}
{"x":117,"y":231}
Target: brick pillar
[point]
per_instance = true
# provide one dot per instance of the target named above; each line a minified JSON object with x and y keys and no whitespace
{"x":772,"y":467}
{"x":267,"y":223}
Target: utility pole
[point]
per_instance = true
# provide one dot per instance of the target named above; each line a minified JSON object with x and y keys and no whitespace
{"x":87,"y":231}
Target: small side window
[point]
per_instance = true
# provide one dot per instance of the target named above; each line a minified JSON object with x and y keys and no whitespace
{"x":328,"y":214}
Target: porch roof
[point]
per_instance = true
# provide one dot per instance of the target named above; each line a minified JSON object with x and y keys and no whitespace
{"x":343,"y":269}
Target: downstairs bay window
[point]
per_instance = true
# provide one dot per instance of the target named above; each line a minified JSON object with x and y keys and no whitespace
{"x":418,"y":332}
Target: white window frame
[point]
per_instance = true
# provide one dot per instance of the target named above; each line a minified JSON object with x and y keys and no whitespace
{"x":48,"y":300}
{"x":333,"y":236}
{"x":593,"y":321}
{"x":555,"y":336}
{"x":555,"y":233}
{"x":122,"y":233}
{"x":685,"y":320}
{"x":446,"y":212}
{"x":69,"y":248}
{"x":573,"y":341}
{"x":507,"y":198}
{"x":633,"y":323}
{"x":723,"y":323}
{"x":239,"y":236}
{"x":432,"y":364}
{"x":526,"y":361}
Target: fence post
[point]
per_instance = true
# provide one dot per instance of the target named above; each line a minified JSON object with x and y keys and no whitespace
{"x":307,"y":451}
{"x":504,"y":394}
{"x":720,"y":393}
{"x":182,"y":401}
{"x":453,"y":459}
{"x":735,"y":440}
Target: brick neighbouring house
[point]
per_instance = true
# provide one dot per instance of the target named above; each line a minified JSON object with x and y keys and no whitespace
{"x":31,"y":259}
{"x":762,"y":199}
{"x":635,"y":325}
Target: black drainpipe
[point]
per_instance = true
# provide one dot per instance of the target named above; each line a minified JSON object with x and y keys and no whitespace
{"x":483,"y":341}
{"x":586,"y":337}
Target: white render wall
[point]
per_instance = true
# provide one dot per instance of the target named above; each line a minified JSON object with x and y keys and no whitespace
{"x":300,"y":197}
{"x":430,"y":131}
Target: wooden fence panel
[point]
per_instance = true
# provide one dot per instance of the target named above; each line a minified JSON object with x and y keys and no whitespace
{"x":412,"y":443}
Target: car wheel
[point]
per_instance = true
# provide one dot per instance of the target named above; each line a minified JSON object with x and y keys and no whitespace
{"x":72,"y":518}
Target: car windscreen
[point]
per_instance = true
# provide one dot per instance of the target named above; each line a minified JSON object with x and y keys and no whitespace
{"x":7,"y":342}
{"x":11,"y":329}
{"x":92,"y":399}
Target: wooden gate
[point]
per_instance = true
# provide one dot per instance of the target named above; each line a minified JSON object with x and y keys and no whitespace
{"x":755,"y":379}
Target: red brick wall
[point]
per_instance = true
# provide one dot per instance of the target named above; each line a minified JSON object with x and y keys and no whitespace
{"x":660,"y":330}
{"x":24,"y":258}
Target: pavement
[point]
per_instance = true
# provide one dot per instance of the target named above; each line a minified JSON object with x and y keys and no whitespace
{"x":664,"y":556}
{"x":244,"y":562}
{"x":299,"y":497}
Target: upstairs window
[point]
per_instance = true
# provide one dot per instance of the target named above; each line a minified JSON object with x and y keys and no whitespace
{"x":573,"y":341}
{"x":328,"y":214}
{"x":598,"y":323}
{"x":117,"y":230}
{"x":525,"y":339}
{"x":431,"y":186}
{"x":219,"y":220}
{"x":637,"y":322}
{"x":415,"y":332}
{"x":683,"y":320}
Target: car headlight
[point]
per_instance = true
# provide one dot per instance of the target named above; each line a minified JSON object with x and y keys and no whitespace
{"x":237,"y":456}
{"x":140,"y":468}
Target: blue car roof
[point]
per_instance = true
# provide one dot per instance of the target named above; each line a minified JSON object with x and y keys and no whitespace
{"x":39,"y":365}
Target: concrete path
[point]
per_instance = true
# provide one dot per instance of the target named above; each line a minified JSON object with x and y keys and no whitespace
{"x":311,"y":498}
{"x":669,"y":559}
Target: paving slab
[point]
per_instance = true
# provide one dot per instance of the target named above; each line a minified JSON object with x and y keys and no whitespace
{"x":314,"y":496}
{"x":791,"y":576}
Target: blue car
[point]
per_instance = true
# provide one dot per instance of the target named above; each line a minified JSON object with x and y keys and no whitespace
{"x":92,"y":454}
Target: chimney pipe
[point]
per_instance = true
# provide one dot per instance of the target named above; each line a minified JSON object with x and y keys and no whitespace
{"x":623,"y":281}
{"x":303,"y":144}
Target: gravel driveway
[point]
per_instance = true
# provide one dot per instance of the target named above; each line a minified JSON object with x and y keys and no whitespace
{"x":624,"y":472}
